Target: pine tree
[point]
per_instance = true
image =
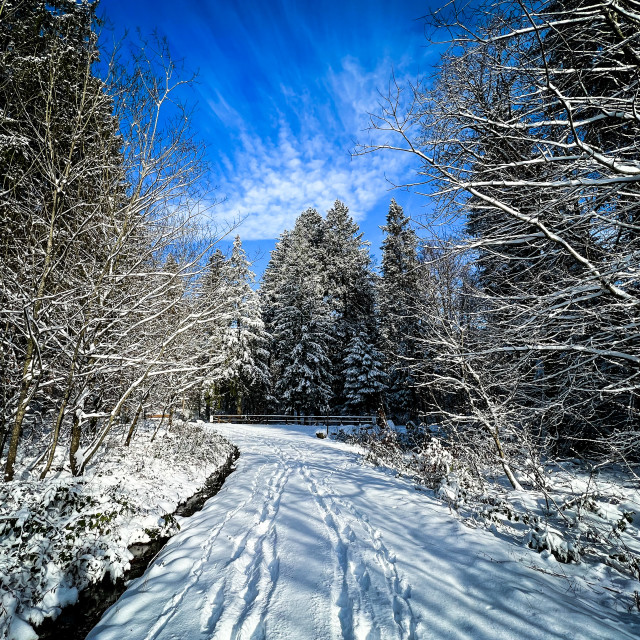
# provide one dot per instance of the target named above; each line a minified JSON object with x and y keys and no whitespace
{"x":399,"y":295}
{"x":243,"y":376}
{"x":364,"y":376}
{"x":319,"y":295}
{"x":209,"y":339}
{"x":270,"y":289}
{"x":302,"y":330}
{"x":349,"y":290}
{"x":300,"y":318}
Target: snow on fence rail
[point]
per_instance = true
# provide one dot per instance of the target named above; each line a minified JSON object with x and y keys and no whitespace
{"x":328,"y":421}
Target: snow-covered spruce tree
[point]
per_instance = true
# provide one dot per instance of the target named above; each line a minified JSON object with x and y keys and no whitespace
{"x":210,"y":336}
{"x":299,"y":319}
{"x":270,"y":288}
{"x":399,"y":295}
{"x":364,"y":376}
{"x":349,"y":290}
{"x":241,"y":380}
{"x":303,"y":324}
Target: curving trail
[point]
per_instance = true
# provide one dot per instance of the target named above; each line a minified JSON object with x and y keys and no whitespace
{"x":305,"y":542}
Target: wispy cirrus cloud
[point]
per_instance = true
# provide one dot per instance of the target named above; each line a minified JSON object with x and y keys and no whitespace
{"x":269,"y":180}
{"x":283,"y":92}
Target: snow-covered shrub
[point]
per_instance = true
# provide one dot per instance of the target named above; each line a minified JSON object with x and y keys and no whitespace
{"x":451,"y":489}
{"x":626,"y":563}
{"x":383,"y":447}
{"x":423,"y":457}
{"x":55,"y":542}
{"x":543,"y":538}
{"x":583,"y":502}
{"x":433,"y":462}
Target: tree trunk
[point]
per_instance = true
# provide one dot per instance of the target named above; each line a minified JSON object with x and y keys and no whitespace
{"x":76,"y":469}
{"x":155,"y":433}
{"x":26,"y":382}
{"x":238,"y":403}
{"x":382,"y":417}
{"x":5,"y":433}
{"x":503,"y":460}
{"x":55,"y":435}
{"x":23,"y":402}
{"x":134,"y":422}
{"x":63,"y":406}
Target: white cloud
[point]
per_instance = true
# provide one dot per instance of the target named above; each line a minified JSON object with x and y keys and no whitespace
{"x":270,"y":181}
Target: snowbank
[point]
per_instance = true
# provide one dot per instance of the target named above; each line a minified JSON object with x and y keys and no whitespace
{"x":305,"y":541}
{"x":59,"y":535}
{"x":583,"y":523}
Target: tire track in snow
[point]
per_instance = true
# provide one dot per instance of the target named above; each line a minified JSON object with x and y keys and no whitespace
{"x":251,"y":573}
{"x":173,"y":605}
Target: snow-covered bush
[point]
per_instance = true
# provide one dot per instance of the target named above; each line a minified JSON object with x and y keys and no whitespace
{"x":382,"y":447}
{"x":55,"y":542}
{"x":451,"y":489}
{"x":423,"y":457}
{"x":432,"y":462}
{"x":542,"y":537}
{"x":566,"y":513}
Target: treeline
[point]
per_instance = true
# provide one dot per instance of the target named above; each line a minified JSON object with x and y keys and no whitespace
{"x":530,"y":134}
{"x":101,"y":246}
{"x":325,"y":334}
{"x":113,"y":299}
{"x":516,"y":336}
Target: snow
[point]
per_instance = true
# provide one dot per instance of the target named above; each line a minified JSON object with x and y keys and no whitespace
{"x":21,"y":630}
{"x":306,"y":541}
{"x":60,"y":534}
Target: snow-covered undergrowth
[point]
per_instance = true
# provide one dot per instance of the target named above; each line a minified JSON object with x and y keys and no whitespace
{"x":59,"y":535}
{"x":570,"y":514}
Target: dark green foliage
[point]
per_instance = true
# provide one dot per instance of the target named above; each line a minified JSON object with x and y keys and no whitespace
{"x":319,"y":296}
{"x":399,"y":300}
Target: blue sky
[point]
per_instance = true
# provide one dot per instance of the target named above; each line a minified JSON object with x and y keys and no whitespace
{"x":284,"y":90}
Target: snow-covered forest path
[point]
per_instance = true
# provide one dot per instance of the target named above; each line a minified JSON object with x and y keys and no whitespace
{"x":306,"y":542}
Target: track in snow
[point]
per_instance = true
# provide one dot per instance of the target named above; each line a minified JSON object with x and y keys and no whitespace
{"x":305,"y":542}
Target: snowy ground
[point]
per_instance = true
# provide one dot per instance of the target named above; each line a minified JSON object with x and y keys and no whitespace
{"x":63,"y":533}
{"x":304,"y":541}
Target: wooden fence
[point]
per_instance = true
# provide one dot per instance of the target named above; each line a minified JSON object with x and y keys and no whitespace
{"x":325,"y":421}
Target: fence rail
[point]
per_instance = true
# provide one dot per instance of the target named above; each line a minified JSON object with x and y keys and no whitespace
{"x":328,"y":421}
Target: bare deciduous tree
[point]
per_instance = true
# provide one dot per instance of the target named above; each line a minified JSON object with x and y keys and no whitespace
{"x":529,"y":139}
{"x":104,"y":182}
